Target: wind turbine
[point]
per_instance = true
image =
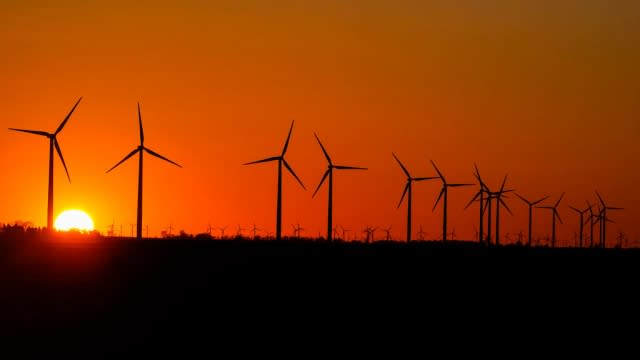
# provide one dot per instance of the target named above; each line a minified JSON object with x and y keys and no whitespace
{"x":531,"y":204}
{"x":387,"y":231}
{"x":222,"y":229}
{"x":581,"y":213}
{"x":407,"y":189}
{"x":605,"y":207}
{"x":296,"y":230}
{"x":444,"y":191}
{"x":140,"y":150}
{"x":255,"y":230}
{"x":498,"y":196}
{"x":554,"y":215}
{"x":280,"y":159}
{"x":592,"y":222}
{"x":329,"y":173}
{"x":479,"y":196}
{"x":344,"y":233}
{"x":53,"y":143}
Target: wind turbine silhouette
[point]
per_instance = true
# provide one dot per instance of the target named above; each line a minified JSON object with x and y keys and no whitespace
{"x":479,"y":196}
{"x":53,"y":143}
{"x":280,"y":159}
{"x":554,"y":215}
{"x":581,"y":213}
{"x":387,"y":231}
{"x":444,"y":191}
{"x":531,"y":204}
{"x":592,"y":222}
{"x":140,"y":151}
{"x":329,"y":173}
{"x":605,"y":207}
{"x":498,"y":196}
{"x":296,"y":230}
{"x":407,"y":189}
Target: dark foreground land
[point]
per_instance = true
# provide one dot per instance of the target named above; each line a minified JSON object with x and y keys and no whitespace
{"x":115,"y":286}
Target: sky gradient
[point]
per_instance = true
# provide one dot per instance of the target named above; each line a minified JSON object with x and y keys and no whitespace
{"x":546,"y":91}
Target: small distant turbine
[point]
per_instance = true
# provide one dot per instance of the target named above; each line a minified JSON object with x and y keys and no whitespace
{"x":480,"y":195}
{"x":554,"y":215}
{"x":581,"y":214}
{"x":387,"y":232}
{"x":531,"y":204}
{"x":407,"y":190}
{"x":444,"y":191}
{"x":605,"y":207}
{"x":498,"y":196}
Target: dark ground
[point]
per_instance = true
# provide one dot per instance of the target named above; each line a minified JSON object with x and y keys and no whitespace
{"x":130,"y":288}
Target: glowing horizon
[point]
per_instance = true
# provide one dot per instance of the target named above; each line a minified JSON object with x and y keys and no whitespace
{"x":543,"y":91}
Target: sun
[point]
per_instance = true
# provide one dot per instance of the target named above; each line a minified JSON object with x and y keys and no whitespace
{"x":74,"y":220}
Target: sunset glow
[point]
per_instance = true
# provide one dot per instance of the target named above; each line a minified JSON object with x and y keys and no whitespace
{"x":74,"y":220}
{"x":544,"y":91}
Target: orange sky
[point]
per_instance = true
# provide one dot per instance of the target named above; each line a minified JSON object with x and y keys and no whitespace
{"x":547,"y":91}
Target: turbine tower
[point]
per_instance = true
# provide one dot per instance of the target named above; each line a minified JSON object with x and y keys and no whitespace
{"x":444,"y":191}
{"x":554,"y":215}
{"x":53,"y":143}
{"x":605,"y":207}
{"x":531,"y":204}
{"x":281,"y":161}
{"x":479,"y":196}
{"x":581,"y":214}
{"x":140,"y":150}
{"x":407,"y":189}
{"x":498,"y":196}
{"x":329,"y":173}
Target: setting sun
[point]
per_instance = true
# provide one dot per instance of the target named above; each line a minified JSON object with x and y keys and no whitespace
{"x":74,"y":220}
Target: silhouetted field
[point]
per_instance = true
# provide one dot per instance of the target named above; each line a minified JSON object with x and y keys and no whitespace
{"x":123,"y":286}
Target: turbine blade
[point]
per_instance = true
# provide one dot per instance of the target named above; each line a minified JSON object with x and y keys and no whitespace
{"x":504,"y":182}
{"x":67,"y":118}
{"x":479,"y":178}
{"x":574,"y":209}
{"x":600,"y":197}
{"x":341,"y":167}
{"x":439,"y":197}
{"x":614,"y":208}
{"x":293,"y":173}
{"x":540,"y":200}
{"x":125,"y":159}
{"x":590,"y":207}
{"x":486,"y":204}
{"x":274,"y":158}
{"x":438,"y":171}
{"x":560,"y":199}
{"x":459,"y":185}
{"x":151,"y":152}
{"x":424,"y":178}
{"x":55,"y":142}
{"x":475,"y":197}
{"x":35,"y":132}
{"x":326,"y":155}
{"x":525,"y":200}
{"x":505,"y":205}
{"x":557,"y":214}
{"x":404,"y":193}
{"x":404,"y":169}
{"x":140,"y":123}
{"x":286,"y":143}
{"x":324,"y":177}
{"x":544,"y":207}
